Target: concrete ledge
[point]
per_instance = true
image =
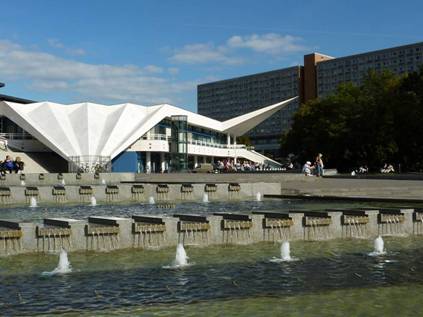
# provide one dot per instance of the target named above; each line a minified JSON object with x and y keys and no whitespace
{"x":152,"y":232}
{"x":125,"y":192}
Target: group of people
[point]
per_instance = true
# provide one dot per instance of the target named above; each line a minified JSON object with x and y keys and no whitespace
{"x":239,"y":166}
{"x":315,"y":169}
{"x":11,"y":166}
{"x":387,"y":168}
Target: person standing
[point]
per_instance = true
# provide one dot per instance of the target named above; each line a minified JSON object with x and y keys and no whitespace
{"x":319,"y":165}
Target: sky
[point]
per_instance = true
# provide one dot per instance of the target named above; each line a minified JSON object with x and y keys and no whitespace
{"x":151,"y":52}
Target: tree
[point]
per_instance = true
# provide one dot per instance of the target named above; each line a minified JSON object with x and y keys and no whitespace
{"x":363,"y":124}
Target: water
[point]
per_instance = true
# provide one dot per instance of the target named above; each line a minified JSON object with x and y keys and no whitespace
{"x":205,"y":198}
{"x":83,"y":211}
{"x":63,"y":267}
{"x":328,"y":278}
{"x":258,"y":196}
{"x":151,"y":200}
{"x":378,"y":247}
{"x":93,"y":202}
{"x":103,"y":181}
{"x":285,"y":253}
{"x":181,"y":258}
{"x":33,"y":202}
{"x":332,"y":278}
{"x":63,"y":182}
{"x":23,"y":183}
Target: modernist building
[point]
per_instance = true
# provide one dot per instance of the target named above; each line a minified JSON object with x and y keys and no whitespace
{"x":228,"y":98}
{"x":128,"y":137}
{"x":400,"y":60}
{"x":320,"y":76}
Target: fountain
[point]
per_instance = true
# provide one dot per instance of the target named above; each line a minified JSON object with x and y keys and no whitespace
{"x":93,"y":201}
{"x":103,"y":181}
{"x":258,"y":196}
{"x":63,"y":182}
{"x":378,"y":247}
{"x":285,"y":254}
{"x":181,"y":258}
{"x":23,"y":183}
{"x":205,"y":198}
{"x":33,"y":202}
{"x":151,"y":200}
{"x":285,"y":251}
{"x":63,"y":266}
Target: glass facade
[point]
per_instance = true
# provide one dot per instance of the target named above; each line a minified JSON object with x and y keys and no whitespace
{"x":179,"y":143}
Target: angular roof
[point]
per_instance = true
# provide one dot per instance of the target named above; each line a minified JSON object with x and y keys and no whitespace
{"x":92,"y":129}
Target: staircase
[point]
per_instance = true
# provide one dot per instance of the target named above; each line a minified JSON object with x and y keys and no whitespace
{"x":254,"y":156}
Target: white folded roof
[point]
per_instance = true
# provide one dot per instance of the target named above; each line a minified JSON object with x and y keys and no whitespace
{"x":99,"y":130}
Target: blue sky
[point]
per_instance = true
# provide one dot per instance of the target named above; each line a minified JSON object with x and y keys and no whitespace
{"x":150,"y":52}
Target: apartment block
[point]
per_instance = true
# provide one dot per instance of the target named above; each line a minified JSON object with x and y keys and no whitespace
{"x":319,"y":77}
{"x":226,"y":99}
{"x":353,"y":68}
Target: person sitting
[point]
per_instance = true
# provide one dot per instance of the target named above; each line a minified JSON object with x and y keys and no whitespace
{"x":363,"y":169}
{"x":8,"y":164}
{"x":387,"y":168}
{"x":307,"y":168}
{"x":19,"y":165}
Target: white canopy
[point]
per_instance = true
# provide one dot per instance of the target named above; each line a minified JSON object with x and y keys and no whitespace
{"x":88,"y":129}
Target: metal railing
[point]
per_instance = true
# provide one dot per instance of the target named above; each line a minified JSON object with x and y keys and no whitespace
{"x":155,"y":136}
{"x":164,"y":137}
{"x":89,"y":164}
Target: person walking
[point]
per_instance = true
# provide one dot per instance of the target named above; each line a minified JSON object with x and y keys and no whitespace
{"x":319,"y":165}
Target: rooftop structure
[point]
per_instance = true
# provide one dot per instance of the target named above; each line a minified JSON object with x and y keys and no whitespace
{"x":132,"y":137}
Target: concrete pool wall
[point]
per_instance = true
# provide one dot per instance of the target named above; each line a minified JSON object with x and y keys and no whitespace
{"x":154,"y":232}
{"x":284,"y":183}
{"x":67,"y":188}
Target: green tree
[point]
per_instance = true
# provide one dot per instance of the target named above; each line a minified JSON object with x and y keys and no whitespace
{"x":354,"y":126}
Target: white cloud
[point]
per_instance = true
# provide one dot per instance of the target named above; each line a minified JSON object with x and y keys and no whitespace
{"x":86,"y":81}
{"x":204,"y":53}
{"x":153,"y":69}
{"x":55,"y":43}
{"x":270,"y":43}
{"x":173,"y":70}
{"x":228,"y":53}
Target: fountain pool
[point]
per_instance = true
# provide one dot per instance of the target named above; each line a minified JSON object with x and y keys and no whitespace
{"x":83,"y":211}
{"x":330,"y":277}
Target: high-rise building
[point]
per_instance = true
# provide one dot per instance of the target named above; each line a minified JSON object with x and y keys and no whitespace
{"x":224,"y":99}
{"x":319,"y":77}
{"x":353,"y":68}
{"x":310,"y":77}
